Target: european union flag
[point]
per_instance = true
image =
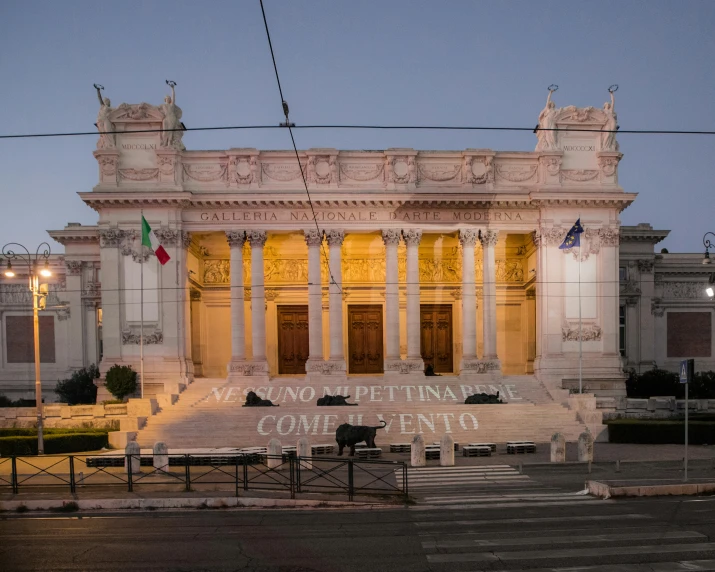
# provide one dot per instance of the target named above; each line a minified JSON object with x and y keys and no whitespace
{"x":573,"y":238}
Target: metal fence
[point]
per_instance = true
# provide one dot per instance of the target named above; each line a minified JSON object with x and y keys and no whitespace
{"x":195,"y":472}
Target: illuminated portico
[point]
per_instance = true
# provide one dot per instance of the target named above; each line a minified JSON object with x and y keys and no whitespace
{"x":404,"y":259}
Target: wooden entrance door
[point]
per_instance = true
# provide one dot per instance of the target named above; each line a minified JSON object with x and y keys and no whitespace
{"x":292,"y":339}
{"x":365,"y":339}
{"x":436,"y":336}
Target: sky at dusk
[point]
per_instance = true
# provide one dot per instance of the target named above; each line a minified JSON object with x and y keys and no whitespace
{"x":369,"y":62}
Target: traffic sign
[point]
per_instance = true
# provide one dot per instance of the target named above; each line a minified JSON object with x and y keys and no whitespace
{"x":687,"y":368}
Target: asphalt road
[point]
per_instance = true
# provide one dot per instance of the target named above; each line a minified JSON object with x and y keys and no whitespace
{"x":539,"y":533}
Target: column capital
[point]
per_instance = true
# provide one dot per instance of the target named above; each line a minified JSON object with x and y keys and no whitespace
{"x":236,"y":238}
{"x":412,"y":236}
{"x":467,"y":236}
{"x":488,"y":238}
{"x":335,"y":237}
{"x":313,"y":237}
{"x":257,"y":237}
{"x":186,"y":238}
{"x":390,"y":236}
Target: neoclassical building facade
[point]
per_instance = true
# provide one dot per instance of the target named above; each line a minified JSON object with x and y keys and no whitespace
{"x":399,"y":261}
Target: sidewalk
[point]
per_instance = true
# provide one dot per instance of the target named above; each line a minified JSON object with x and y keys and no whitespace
{"x":637,"y":464}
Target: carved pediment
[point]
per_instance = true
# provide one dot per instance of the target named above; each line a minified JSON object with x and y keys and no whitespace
{"x":573,"y":114}
{"x":136,"y":112}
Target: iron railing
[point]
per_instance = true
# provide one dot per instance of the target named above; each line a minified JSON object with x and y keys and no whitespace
{"x":195,"y":472}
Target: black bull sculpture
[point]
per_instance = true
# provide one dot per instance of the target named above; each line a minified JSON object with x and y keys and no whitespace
{"x":334,"y":400}
{"x":349,"y":435}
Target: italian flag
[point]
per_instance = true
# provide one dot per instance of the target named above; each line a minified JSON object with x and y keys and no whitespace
{"x":150,"y":240}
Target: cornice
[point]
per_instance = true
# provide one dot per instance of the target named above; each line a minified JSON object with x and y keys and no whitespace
{"x":185,"y":199}
{"x":82,"y":234}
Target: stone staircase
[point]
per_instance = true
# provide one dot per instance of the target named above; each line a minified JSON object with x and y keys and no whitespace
{"x":209,"y":413}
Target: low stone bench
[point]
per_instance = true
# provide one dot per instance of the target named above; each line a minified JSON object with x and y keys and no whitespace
{"x":456,"y":445}
{"x":477,"y":451}
{"x":492,"y":446}
{"x":368,"y":453}
{"x":324,"y":449}
{"x":400,"y":447}
{"x":519,"y":447}
{"x":432,"y":452}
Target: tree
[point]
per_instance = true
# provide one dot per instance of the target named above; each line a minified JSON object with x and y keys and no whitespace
{"x":79,"y":388}
{"x":121,"y":381}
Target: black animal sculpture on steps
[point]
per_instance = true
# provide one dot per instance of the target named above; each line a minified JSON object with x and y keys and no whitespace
{"x":482,"y":399}
{"x":334,"y":400}
{"x":252,"y":400}
{"x":349,"y":435}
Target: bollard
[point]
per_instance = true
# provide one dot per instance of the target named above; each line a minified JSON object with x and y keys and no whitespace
{"x":558,"y":448}
{"x":418,"y":456}
{"x":585,"y":447}
{"x":161,"y":457}
{"x":275,"y":454}
{"x":305,"y":453}
{"x":446,"y":451}
{"x":132,"y":461}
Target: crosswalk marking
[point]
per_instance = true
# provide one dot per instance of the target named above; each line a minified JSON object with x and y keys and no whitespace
{"x":531,"y":555}
{"x":561,"y":539}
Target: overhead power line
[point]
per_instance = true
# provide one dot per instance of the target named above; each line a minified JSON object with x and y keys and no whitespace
{"x":289,"y":125}
{"x":364,"y":127}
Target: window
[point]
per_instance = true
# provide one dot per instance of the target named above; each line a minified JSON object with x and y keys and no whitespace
{"x":20,"y":339}
{"x":622,"y":273}
{"x":622,"y":330}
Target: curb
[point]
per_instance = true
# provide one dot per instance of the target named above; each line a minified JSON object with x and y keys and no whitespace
{"x":184,"y":503}
{"x":605,"y":491}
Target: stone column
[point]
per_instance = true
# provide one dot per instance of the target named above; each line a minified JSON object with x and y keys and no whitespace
{"x":393,"y":363}
{"x":414,"y":360}
{"x":335,"y":238}
{"x":468,"y":364}
{"x":489,"y":240}
{"x":236,"y":239}
{"x":79,"y":331}
{"x":259,"y":364}
{"x":110,"y":240}
{"x":314,"y":240}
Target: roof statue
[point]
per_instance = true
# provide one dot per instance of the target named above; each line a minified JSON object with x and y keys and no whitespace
{"x":104,"y":124}
{"x":172,"y":130}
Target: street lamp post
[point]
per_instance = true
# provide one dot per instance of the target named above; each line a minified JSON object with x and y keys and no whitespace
{"x":33,"y":262}
{"x":708,"y":244}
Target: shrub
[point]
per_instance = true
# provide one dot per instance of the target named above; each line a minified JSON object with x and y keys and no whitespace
{"x":30,"y":431}
{"x":54,"y":444}
{"x":654,"y":382}
{"x":661,"y":382}
{"x":5,"y":401}
{"x":121,"y":381}
{"x":79,"y":388}
{"x":700,"y":432}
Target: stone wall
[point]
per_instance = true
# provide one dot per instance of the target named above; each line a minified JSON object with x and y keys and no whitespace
{"x":68,"y":416}
{"x":665,"y":407}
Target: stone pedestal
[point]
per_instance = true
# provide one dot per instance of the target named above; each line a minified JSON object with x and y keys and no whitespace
{"x":446,"y":451}
{"x":161,"y":457}
{"x":132,"y":464}
{"x":418,"y":456}
{"x":305,"y":453}
{"x":275,"y":452}
{"x":585,"y":447}
{"x":558,"y":448}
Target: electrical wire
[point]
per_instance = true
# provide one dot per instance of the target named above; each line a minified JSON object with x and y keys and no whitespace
{"x":366,"y":127}
{"x":284,"y":106}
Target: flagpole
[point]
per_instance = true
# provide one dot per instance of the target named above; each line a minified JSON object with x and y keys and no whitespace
{"x":580,"y":325}
{"x":141,"y":310}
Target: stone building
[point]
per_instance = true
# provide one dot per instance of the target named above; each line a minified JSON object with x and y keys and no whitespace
{"x":403,"y":259}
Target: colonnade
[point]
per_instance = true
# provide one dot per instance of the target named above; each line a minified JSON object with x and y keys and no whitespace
{"x":335,"y":365}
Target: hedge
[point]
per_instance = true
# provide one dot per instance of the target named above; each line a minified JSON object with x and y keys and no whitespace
{"x":32,"y":431}
{"x":54,"y":444}
{"x":700,"y":432}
